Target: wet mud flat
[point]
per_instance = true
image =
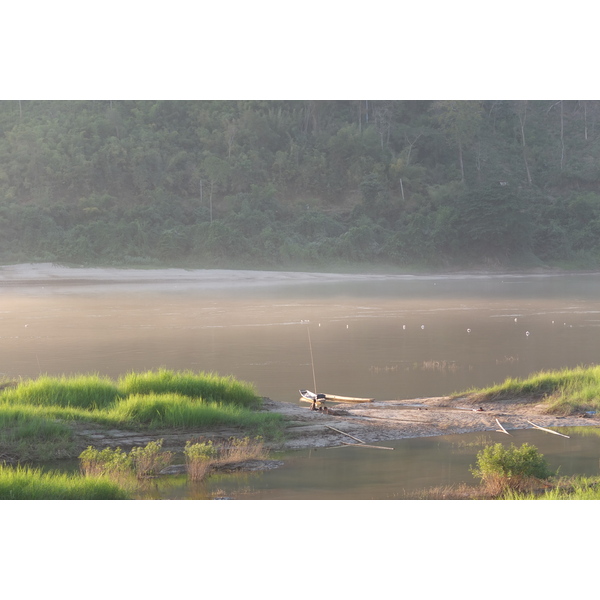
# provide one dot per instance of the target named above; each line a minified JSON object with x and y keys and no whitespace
{"x":368,"y":422}
{"x":372,"y":422}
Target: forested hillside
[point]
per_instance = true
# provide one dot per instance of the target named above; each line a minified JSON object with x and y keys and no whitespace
{"x":269,"y":184}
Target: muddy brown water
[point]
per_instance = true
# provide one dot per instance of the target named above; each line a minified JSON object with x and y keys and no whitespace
{"x":387,"y":337}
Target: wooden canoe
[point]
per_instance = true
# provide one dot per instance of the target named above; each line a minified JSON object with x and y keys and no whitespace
{"x":347,"y":398}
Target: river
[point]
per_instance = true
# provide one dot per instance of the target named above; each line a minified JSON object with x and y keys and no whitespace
{"x":381,"y":336}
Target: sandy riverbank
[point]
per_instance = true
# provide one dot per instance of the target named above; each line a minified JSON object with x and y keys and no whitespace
{"x":421,"y":417}
{"x":370,"y":423}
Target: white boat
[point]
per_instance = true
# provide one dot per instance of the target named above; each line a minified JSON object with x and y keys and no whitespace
{"x":311,"y":396}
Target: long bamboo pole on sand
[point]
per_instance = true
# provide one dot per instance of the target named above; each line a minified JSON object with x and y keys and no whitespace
{"x":548,"y":430}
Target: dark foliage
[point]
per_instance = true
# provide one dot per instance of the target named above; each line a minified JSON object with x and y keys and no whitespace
{"x":270,"y":183}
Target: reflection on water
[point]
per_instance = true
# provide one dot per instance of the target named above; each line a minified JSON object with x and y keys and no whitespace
{"x":413,"y":465}
{"x":368,"y":474}
{"x":387,"y":339}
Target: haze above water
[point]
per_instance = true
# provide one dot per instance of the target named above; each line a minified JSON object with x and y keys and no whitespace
{"x":381,"y":337}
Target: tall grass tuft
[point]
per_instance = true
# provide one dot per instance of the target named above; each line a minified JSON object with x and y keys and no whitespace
{"x":173,"y":410}
{"x":26,"y":483}
{"x":207,"y":386}
{"x":90,"y":392}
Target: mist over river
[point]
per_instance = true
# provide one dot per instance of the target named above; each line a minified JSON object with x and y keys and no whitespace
{"x":380,"y":336}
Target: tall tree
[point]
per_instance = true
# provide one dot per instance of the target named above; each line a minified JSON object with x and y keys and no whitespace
{"x":216,"y":170}
{"x":522,"y":115}
{"x":460,"y":120}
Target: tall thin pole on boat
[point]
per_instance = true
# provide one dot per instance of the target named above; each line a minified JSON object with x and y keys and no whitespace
{"x":312,"y":361}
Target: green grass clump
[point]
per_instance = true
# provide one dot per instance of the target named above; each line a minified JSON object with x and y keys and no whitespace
{"x":90,"y":392}
{"x":37,"y":416}
{"x":575,"y":488}
{"x":565,"y":391}
{"x":208,"y":386}
{"x":27,"y":435}
{"x":25,"y":483}
{"x":176,"y":411}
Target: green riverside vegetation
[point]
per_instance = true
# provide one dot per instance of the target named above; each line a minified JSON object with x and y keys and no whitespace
{"x":37,"y":416}
{"x":574,"y":488}
{"x":301,"y":184}
{"x":565,"y":391}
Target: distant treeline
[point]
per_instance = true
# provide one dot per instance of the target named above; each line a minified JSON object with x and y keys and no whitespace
{"x":311,"y":183}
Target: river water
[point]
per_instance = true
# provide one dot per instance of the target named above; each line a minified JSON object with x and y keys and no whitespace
{"x":386,"y":337}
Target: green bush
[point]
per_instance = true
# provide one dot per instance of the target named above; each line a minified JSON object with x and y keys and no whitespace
{"x":110,"y":462}
{"x":118,"y":465}
{"x":515,"y":468}
{"x":151,"y":459}
{"x":199,"y":450}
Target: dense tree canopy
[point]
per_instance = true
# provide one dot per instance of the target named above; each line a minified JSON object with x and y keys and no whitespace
{"x":311,"y":183}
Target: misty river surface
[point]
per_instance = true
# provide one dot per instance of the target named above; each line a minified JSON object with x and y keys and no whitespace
{"x":385,"y":337}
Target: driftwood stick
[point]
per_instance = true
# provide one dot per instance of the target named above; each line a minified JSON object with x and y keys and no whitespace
{"x":501,"y":430}
{"x":394,"y":419}
{"x":354,"y":438}
{"x":548,"y":430}
{"x":363,"y":445}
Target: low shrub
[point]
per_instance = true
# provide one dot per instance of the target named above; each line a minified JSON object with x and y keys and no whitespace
{"x":120,"y":466}
{"x":151,"y":459}
{"x":199,"y":458}
{"x":238,"y":449}
{"x":109,"y":462}
{"x":501,"y":469}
